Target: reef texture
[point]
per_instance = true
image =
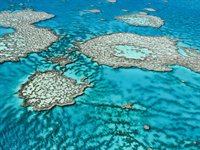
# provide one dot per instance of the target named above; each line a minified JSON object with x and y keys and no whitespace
{"x":61,"y":60}
{"x":93,"y":10}
{"x":44,"y":90}
{"x":150,"y":9}
{"x":142,"y":20}
{"x":158,"y":53}
{"x":27,"y":38}
{"x":112,"y":1}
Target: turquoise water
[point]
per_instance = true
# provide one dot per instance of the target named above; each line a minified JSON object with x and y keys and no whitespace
{"x":4,"y":31}
{"x":131,"y":52}
{"x":168,"y":102}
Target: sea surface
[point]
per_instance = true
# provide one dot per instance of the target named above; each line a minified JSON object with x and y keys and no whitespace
{"x":168,"y":102}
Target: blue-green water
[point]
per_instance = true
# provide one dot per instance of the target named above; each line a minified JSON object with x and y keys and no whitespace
{"x":131,"y":52}
{"x":4,"y":31}
{"x":168,"y":102}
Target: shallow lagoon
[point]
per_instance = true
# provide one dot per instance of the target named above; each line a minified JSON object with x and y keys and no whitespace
{"x":162,"y":100}
{"x":132,"y":52}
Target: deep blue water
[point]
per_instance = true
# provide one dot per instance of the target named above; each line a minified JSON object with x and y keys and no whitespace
{"x":170,"y":107}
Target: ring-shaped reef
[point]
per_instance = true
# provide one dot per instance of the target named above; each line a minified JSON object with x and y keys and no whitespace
{"x":126,"y":50}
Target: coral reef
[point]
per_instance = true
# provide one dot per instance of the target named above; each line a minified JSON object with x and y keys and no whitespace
{"x":112,"y":1}
{"x":150,"y":9}
{"x":142,"y":19}
{"x":46,"y":89}
{"x":61,"y":60}
{"x":27,"y":38}
{"x":153,"y":53}
{"x":93,"y":10}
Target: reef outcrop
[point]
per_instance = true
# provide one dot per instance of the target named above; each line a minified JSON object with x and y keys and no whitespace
{"x":142,"y":19}
{"x":126,"y":50}
{"x":27,"y":38}
{"x":61,"y":60}
{"x":45,"y":90}
{"x":150,"y":9}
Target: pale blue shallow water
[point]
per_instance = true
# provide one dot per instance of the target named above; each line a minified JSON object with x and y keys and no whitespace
{"x":163,"y":101}
{"x":4,"y":31}
{"x":131,"y":52}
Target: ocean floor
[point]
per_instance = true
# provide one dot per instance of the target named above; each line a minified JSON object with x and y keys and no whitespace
{"x":125,"y":108}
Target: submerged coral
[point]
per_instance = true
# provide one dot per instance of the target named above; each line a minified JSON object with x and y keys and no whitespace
{"x":112,"y":1}
{"x":150,"y":9}
{"x":93,"y":10}
{"x":44,"y":90}
{"x":27,"y":38}
{"x":131,"y":50}
{"x":61,"y":60}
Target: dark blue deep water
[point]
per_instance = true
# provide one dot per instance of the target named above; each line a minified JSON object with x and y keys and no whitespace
{"x":161,"y":100}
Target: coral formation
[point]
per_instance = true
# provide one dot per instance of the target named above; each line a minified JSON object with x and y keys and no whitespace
{"x":46,"y":89}
{"x":150,"y":9}
{"x":93,"y":10}
{"x":27,"y":38}
{"x":61,"y":60}
{"x":142,"y":19}
{"x":153,"y":53}
{"x":112,"y":1}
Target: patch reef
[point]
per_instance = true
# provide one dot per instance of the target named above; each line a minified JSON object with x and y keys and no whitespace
{"x":150,"y":9}
{"x":157,"y":53}
{"x":45,"y":90}
{"x":142,"y":19}
{"x":93,"y":10}
{"x":27,"y":38}
{"x":61,"y":60}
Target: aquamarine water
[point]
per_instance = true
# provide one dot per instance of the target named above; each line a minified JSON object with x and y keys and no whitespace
{"x":168,"y":102}
{"x":131,"y":52}
{"x":4,"y":31}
